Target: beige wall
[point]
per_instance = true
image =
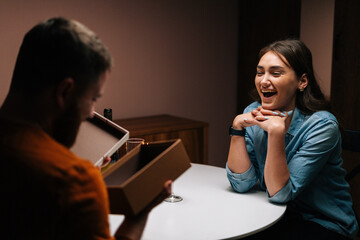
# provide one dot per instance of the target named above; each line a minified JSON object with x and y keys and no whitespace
{"x":316,"y":31}
{"x":174,"y":57}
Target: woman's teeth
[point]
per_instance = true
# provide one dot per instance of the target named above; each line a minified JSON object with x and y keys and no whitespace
{"x":268,"y":93}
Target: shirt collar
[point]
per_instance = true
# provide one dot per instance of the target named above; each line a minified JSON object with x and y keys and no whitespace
{"x":296,"y":122}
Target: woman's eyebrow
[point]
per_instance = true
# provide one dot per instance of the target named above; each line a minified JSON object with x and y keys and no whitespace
{"x":276,"y":67}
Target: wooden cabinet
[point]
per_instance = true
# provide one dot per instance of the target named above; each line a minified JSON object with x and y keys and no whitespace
{"x":165,"y":127}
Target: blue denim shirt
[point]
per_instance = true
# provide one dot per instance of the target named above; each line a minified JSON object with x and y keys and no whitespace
{"x":313,"y":153}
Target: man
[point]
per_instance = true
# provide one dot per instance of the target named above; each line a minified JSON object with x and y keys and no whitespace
{"x":47,"y":192}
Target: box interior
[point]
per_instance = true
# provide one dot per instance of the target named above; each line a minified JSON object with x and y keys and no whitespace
{"x":136,"y":163}
{"x":97,"y":138}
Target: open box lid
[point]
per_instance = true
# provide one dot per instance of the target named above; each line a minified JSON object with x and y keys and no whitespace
{"x":99,"y":137}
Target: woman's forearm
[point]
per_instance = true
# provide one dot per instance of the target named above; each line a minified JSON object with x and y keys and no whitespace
{"x":238,"y":158}
{"x":276,"y":172}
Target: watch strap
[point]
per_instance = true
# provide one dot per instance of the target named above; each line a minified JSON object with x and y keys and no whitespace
{"x":235,"y":132}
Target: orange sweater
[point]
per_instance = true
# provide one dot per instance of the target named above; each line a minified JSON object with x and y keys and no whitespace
{"x":47,"y":192}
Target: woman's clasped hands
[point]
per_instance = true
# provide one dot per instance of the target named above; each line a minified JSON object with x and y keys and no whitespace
{"x":269,"y":120}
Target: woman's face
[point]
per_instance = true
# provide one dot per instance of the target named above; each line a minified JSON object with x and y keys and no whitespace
{"x":276,"y":83}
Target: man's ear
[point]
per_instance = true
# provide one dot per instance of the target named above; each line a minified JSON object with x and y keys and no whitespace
{"x":63,"y":91}
{"x":303,"y":82}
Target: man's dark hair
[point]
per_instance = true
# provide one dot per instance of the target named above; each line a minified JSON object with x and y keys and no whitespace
{"x":57,"y":49}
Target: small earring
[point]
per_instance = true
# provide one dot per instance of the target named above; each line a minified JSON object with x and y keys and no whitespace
{"x":301,"y":89}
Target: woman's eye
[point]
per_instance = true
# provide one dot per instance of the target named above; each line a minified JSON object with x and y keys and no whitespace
{"x":276,"y":74}
{"x":259,"y":73}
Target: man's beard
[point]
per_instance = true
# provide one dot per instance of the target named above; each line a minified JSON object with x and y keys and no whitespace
{"x":67,"y":125}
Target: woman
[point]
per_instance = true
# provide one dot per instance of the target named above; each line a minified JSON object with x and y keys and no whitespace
{"x":291,"y":144}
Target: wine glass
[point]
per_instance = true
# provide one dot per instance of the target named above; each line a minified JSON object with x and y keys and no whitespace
{"x":132,"y":143}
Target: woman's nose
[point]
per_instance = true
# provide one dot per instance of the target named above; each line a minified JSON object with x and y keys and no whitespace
{"x":265,"y":81}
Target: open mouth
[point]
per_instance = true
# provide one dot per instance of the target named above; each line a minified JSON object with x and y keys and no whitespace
{"x":268,"y":93}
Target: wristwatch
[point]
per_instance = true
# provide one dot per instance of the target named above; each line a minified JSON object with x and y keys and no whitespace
{"x":235,"y":132}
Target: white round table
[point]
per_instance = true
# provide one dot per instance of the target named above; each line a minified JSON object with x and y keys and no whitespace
{"x":210,"y":209}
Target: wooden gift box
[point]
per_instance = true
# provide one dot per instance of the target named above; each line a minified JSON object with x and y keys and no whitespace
{"x":138,"y":177}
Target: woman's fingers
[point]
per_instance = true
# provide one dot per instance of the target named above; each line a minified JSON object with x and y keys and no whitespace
{"x":256,"y":112}
{"x":250,"y":121}
{"x":276,"y":113}
{"x":259,"y":114}
{"x":261,"y":118}
{"x":271,"y":112}
{"x":267,"y":114}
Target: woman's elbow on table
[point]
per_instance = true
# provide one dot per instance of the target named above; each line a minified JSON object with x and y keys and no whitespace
{"x":242,"y":186}
{"x":242,"y":182}
{"x":283,"y":196}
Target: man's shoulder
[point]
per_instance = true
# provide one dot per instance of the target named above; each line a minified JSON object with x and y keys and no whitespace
{"x":59,"y":162}
{"x":43,"y":155}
